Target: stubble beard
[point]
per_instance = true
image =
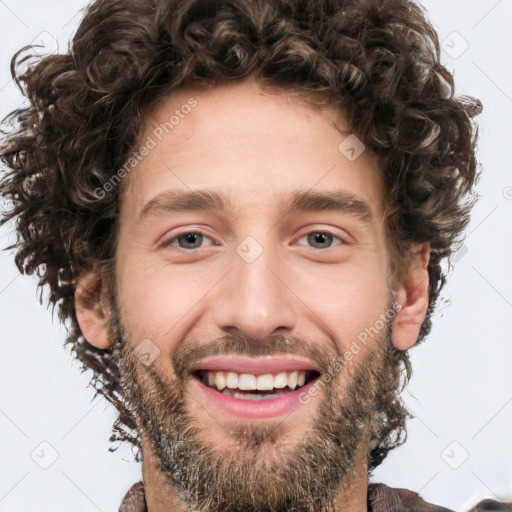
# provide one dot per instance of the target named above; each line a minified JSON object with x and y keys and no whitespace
{"x":253,"y":468}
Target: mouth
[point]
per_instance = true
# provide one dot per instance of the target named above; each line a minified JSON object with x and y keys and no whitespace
{"x":249,"y":386}
{"x":225,"y":388}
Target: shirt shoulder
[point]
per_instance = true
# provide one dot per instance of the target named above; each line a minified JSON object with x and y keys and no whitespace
{"x":382,"y":498}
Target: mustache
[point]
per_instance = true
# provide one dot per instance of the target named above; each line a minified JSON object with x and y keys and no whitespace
{"x":188,"y":354}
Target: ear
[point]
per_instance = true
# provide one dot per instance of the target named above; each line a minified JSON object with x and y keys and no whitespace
{"x":411,"y":294}
{"x":92,"y":315}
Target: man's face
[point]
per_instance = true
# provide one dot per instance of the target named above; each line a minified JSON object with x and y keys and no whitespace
{"x":294,"y":288}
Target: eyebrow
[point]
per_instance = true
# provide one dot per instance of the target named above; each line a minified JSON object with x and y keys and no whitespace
{"x":341,"y":201}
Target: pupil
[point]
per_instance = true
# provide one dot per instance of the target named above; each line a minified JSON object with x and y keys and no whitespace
{"x":320,"y":238}
{"x":191,"y":237}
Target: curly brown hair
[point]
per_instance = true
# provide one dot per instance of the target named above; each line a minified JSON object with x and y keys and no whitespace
{"x":376,"y":60}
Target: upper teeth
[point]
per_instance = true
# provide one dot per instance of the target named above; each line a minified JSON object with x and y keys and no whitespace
{"x":249,"y":381}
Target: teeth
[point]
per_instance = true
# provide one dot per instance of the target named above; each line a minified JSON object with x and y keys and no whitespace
{"x":249,"y":396}
{"x":219,"y":380}
{"x":292,"y":380}
{"x":265,"y":382}
{"x":232,"y":380}
{"x":247,"y":381}
{"x":281,"y":380}
{"x":250,"y":382}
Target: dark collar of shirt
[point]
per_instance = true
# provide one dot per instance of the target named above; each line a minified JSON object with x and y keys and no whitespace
{"x":381,"y":498}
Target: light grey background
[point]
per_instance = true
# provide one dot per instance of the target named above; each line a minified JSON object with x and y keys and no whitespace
{"x":459,"y":447}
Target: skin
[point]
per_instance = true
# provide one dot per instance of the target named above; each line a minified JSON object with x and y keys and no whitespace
{"x":315,"y":297}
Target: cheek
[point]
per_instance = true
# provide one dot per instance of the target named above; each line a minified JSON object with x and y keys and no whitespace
{"x":347,"y":300}
{"x":157,"y":299}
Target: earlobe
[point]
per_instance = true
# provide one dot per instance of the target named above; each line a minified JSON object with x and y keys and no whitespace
{"x":411,"y":296}
{"x":93,"y":318}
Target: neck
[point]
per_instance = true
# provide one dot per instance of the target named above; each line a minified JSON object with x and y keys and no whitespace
{"x":162,"y":497}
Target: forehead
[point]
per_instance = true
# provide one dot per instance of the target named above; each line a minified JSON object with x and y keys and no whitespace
{"x":249,"y":141}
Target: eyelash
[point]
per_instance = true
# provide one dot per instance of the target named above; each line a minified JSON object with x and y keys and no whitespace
{"x":169,"y":242}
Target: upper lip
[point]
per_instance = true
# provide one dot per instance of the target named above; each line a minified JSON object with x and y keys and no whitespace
{"x":257,"y":366}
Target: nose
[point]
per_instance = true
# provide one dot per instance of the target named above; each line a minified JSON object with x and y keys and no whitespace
{"x":255,"y":299}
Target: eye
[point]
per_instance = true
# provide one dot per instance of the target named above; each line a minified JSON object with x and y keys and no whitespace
{"x":323,"y":238}
{"x":189,"y":240}
{"x":186,"y":240}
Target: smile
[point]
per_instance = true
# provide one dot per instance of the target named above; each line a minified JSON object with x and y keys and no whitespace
{"x":248,"y":386}
{"x":242,"y":388}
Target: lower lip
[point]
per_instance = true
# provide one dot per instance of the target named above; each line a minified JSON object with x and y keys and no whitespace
{"x":252,"y":409}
